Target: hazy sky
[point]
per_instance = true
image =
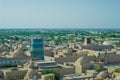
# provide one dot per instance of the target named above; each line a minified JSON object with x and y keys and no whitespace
{"x":59,"y":13}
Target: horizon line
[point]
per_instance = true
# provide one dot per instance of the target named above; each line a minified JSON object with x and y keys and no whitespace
{"x":59,"y":27}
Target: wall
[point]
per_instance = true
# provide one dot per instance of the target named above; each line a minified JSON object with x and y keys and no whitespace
{"x":61,"y":60}
{"x":48,"y":58}
{"x":113,"y":58}
{"x":14,"y":74}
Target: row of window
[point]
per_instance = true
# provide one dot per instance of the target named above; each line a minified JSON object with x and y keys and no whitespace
{"x":15,"y":77}
{"x":13,"y":61}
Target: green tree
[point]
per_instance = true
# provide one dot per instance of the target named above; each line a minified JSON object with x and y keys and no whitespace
{"x":57,"y":74}
{"x":117,"y":70}
{"x":97,"y":69}
{"x":10,"y":65}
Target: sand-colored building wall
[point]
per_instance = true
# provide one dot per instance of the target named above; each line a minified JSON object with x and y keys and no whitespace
{"x":83,"y":65}
{"x":48,"y":77}
{"x":113,"y":58}
{"x":65,"y":71}
{"x":61,"y":60}
{"x":115,"y":75}
{"x":80,"y":68}
{"x":1,"y":75}
{"x":14,"y":74}
{"x":81,"y":53}
{"x":48,"y":58}
{"x":111,"y":69}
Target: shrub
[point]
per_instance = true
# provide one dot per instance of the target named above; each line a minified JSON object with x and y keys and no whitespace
{"x":10,"y":65}
{"x":57,"y":75}
{"x":97,"y":69}
{"x":117,"y":70}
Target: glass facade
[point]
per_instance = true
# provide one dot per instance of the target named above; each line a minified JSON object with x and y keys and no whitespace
{"x":37,"y":49}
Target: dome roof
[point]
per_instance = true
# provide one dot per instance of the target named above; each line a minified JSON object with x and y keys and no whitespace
{"x":82,"y":60}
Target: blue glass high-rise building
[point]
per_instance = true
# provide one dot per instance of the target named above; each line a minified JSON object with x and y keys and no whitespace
{"x":37,"y":49}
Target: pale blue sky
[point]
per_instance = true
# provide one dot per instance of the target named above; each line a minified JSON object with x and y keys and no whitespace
{"x":59,"y":13}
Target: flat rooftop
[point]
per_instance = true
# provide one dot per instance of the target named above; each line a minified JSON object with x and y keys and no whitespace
{"x":11,"y":69}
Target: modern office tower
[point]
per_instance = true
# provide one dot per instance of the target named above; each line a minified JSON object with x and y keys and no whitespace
{"x":37,"y":49}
